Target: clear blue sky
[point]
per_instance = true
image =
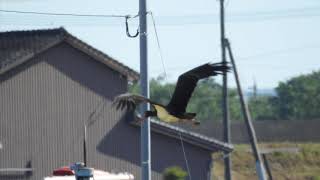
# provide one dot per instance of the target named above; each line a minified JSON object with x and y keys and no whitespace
{"x":272,"y":40}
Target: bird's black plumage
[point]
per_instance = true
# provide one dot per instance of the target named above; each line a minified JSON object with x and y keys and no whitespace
{"x":176,"y":108}
{"x":187,"y":83}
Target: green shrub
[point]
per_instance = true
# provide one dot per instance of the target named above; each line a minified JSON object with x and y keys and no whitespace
{"x":315,"y":177}
{"x":174,"y":173}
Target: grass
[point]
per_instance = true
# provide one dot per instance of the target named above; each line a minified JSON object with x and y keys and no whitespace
{"x":304,"y":165}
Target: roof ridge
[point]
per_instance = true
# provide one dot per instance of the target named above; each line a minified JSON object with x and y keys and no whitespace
{"x":37,"y":40}
{"x":31,"y":31}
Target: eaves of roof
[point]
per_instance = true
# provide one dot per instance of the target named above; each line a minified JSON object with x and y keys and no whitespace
{"x":193,"y":138}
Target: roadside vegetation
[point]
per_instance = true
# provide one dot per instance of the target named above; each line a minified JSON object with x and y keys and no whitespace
{"x":303,"y":165}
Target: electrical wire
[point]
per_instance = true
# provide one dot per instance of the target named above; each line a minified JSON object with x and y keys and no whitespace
{"x":226,"y":4}
{"x":280,"y":51}
{"x":159,"y":47}
{"x":68,"y":14}
{"x":248,"y":14}
{"x":185,"y":156}
{"x":204,"y":19}
{"x":249,"y":59}
{"x":165,"y":73}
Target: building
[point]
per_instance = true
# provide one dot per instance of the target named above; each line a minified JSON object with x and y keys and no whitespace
{"x":51,"y":84}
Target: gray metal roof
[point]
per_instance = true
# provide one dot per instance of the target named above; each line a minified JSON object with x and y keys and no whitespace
{"x":16,"y":47}
{"x":188,"y":136}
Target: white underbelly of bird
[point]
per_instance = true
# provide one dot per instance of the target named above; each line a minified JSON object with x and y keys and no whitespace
{"x":163,"y":114}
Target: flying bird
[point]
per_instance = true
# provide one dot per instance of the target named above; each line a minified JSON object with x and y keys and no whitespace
{"x":175,"y":110}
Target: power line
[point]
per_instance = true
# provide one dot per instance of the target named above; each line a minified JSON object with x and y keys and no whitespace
{"x":165,"y":73}
{"x":242,"y":16}
{"x":262,"y":55}
{"x":185,"y":156}
{"x":200,"y":19}
{"x":274,"y":67}
{"x":249,"y":14}
{"x":226,"y":3}
{"x":280,"y":51}
{"x":158,"y":43}
{"x":68,"y":14}
{"x":282,"y":11}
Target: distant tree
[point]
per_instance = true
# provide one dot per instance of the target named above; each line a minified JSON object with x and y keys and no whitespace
{"x":299,"y":97}
{"x":160,"y":91}
{"x":234,"y":105}
{"x":207,"y":98}
{"x":263,"y":108}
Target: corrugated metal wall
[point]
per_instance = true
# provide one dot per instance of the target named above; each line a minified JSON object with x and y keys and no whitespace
{"x":297,"y":131}
{"x":44,"y":104}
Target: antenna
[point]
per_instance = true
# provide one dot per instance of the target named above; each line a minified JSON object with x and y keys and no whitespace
{"x":85,"y":145}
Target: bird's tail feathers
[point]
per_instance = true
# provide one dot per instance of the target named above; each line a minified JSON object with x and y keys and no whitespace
{"x":124,"y":101}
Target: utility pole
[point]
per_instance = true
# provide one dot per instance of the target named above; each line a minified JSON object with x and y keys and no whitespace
{"x":245,"y":111}
{"x":145,"y":127}
{"x":225,"y":45}
{"x":225,"y":105}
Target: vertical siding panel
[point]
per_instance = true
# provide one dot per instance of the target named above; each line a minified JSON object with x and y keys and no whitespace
{"x":45,"y":105}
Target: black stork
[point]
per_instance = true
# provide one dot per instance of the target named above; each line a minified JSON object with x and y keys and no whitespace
{"x":175,"y":110}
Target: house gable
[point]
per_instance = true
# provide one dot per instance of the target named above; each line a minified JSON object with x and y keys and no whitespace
{"x":48,"y":96}
{"x":20,"y":46}
{"x":45,"y":103}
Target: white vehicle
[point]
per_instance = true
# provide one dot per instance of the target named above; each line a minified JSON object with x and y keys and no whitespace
{"x":78,"y":172}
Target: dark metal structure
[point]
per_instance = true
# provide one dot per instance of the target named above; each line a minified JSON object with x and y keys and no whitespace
{"x":50,"y":83}
{"x":266,"y":164}
{"x":225,"y":48}
{"x":260,"y":169}
{"x":144,"y":84}
{"x":225,"y":103}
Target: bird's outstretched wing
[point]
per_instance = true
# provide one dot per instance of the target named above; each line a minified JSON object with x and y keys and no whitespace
{"x":129,"y":101}
{"x":188,"y":81}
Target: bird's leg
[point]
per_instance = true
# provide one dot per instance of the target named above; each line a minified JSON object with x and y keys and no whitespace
{"x":146,"y":114}
{"x":150,"y":113}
